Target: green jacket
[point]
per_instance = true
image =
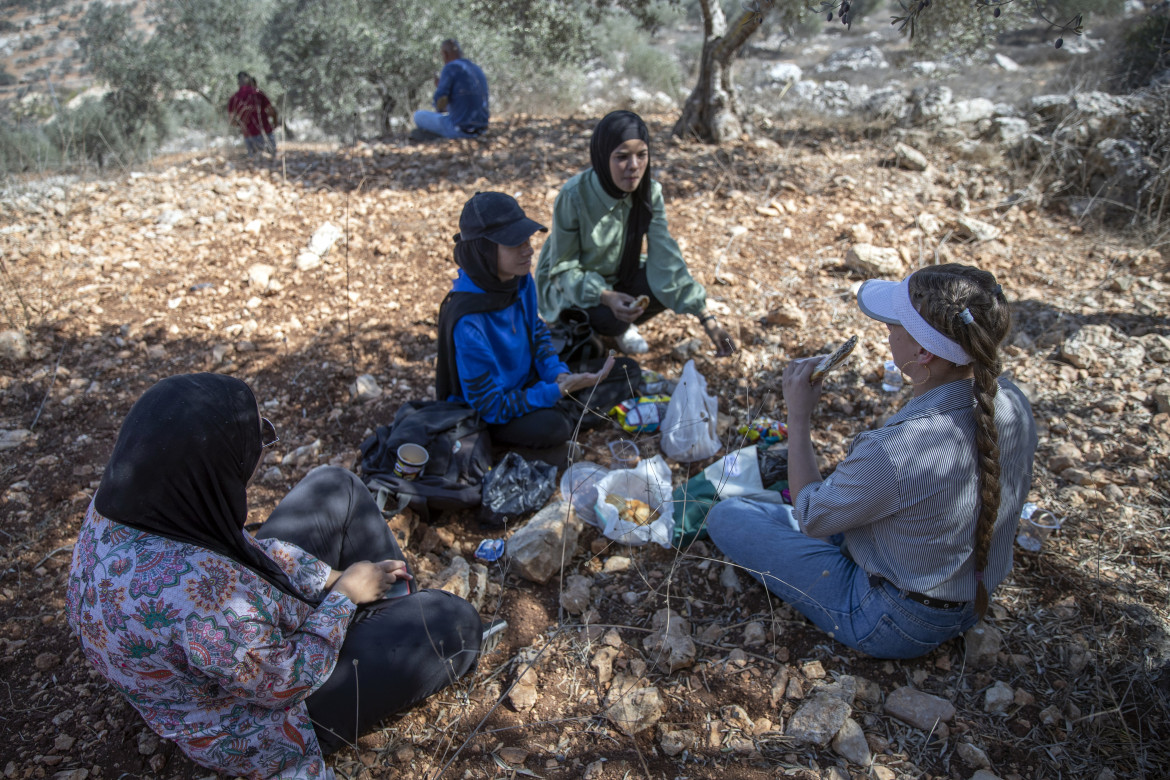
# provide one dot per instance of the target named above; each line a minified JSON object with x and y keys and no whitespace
{"x":580,"y":258}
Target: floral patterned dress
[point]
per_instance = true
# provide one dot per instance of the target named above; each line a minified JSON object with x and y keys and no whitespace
{"x":210,"y":654}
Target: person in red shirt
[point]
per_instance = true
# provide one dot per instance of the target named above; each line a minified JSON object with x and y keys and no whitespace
{"x":251,"y":111}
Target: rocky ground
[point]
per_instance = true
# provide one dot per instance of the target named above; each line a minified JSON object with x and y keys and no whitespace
{"x":627,"y":662}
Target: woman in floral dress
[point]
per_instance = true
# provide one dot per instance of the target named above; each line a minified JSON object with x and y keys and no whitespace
{"x":255,"y":656}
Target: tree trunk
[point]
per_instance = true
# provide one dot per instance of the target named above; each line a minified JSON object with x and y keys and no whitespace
{"x":710,"y":113}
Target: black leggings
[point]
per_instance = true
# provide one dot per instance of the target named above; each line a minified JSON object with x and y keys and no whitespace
{"x":396,"y":652}
{"x":554,"y":426}
{"x":602,"y":319}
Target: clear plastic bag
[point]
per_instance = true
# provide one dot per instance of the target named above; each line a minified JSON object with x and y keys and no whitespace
{"x":689,"y":427}
{"x":648,"y":483}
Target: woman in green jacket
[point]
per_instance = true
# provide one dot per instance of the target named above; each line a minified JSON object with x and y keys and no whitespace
{"x":593,"y":259}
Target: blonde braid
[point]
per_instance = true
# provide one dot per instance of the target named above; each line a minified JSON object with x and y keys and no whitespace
{"x":966,"y":305}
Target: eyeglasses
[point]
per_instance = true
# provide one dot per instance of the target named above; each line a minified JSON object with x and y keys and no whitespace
{"x":268,"y":435}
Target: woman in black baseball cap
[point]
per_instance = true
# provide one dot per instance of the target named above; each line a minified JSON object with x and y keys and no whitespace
{"x":495,"y":352}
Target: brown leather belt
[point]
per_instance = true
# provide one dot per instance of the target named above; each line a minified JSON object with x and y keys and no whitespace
{"x":877,"y":580}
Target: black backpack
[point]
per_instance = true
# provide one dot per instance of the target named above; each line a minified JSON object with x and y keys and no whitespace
{"x":460,"y":452}
{"x":573,"y":339}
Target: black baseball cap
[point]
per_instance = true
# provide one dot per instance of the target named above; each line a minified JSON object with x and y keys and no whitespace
{"x":498,"y":218}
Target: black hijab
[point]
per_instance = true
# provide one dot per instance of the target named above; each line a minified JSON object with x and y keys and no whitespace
{"x":612,"y":131}
{"x":478,"y":259}
{"x":181,"y":465}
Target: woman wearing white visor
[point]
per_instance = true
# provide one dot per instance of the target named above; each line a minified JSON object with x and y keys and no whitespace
{"x":897,"y":550}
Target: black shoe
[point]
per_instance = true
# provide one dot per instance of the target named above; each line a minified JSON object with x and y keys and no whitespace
{"x":491,"y":635}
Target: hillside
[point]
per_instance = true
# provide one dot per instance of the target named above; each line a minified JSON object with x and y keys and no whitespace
{"x":190,"y":264}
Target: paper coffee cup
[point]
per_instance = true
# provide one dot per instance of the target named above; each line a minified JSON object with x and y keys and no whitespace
{"x":411,"y":460}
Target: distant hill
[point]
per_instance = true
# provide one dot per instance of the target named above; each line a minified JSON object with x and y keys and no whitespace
{"x":40,"y":51}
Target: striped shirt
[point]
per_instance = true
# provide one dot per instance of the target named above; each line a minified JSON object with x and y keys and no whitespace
{"x":906,"y":496}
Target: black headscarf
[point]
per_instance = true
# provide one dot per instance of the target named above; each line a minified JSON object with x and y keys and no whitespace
{"x":612,"y":131}
{"x":478,"y":259}
{"x":181,"y":465}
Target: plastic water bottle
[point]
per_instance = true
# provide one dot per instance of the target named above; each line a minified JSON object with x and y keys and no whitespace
{"x":1026,"y":537}
{"x":891,"y":377}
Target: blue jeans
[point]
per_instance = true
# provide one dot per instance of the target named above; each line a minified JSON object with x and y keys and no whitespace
{"x":819,"y":579}
{"x":265,"y":142}
{"x":439,"y":124}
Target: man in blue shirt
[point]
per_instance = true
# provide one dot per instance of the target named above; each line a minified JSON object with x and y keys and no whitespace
{"x":461,"y":97}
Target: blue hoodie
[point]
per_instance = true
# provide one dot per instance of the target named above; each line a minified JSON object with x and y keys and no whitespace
{"x":499,"y":374}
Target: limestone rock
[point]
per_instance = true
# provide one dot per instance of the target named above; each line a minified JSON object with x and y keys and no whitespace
{"x":983,"y":644}
{"x":13,"y":346}
{"x":873,"y":261}
{"x":850,"y":743}
{"x":921,"y":710}
{"x":10,"y":440}
{"x":260,"y":276}
{"x":818,"y":720}
{"x":754,"y":634}
{"x":909,"y":158}
{"x":973,"y":756}
{"x":524,"y":694}
{"x":324,"y":239}
{"x":456,"y":578}
{"x":975,"y":229}
{"x":575,"y":595}
{"x":539,"y":548}
{"x":669,"y":644}
{"x":786,"y":315}
{"x":999,"y":698}
{"x":633,"y":709}
{"x":365,"y":388}
{"x":675,"y":741}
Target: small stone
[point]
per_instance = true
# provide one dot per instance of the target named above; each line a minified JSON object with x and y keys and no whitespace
{"x":909,"y":158}
{"x":674,"y":741}
{"x":850,"y":743}
{"x":633,"y":710}
{"x":973,"y":756}
{"x":787,"y":315}
{"x":1050,"y":715}
{"x":687,"y":349}
{"x":540,"y":547}
{"x":985,"y":774}
{"x":11,"y":439}
{"x":976,"y":230}
{"x":983,"y":643}
{"x":365,"y":389}
{"x":575,"y":596}
{"x":818,"y":720}
{"x":729,"y":579}
{"x":999,"y":698}
{"x":670,"y":645}
{"x":1065,"y":456}
{"x":921,"y":710}
{"x":456,"y":578}
{"x":46,"y":661}
{"x":602,"y":661}
{"x":754,"y":634}
{"x":513,"y":755}
{"x":63,"y":743}
{"x":523,"y":695}
{"x":260,"y":275}
{"x":148,"y":743}
{"x":13,"y":346}
{"x":404,"y":754}
{"x":874,"y":261}
{"x":813,"y":670}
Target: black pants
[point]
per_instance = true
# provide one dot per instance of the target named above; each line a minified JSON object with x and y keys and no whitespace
{"x":554,"y":426}
{"x":396,"y":652}
{"x":602,"y":319}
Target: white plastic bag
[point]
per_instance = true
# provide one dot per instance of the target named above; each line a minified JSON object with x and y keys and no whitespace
{"x":648,"y":482}
{"x":736,"y":473}
{"x":689,"y":427}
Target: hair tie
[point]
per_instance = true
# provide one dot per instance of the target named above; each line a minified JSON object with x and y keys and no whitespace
{"x":979,"y":576}
{"x":966,"y":316}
